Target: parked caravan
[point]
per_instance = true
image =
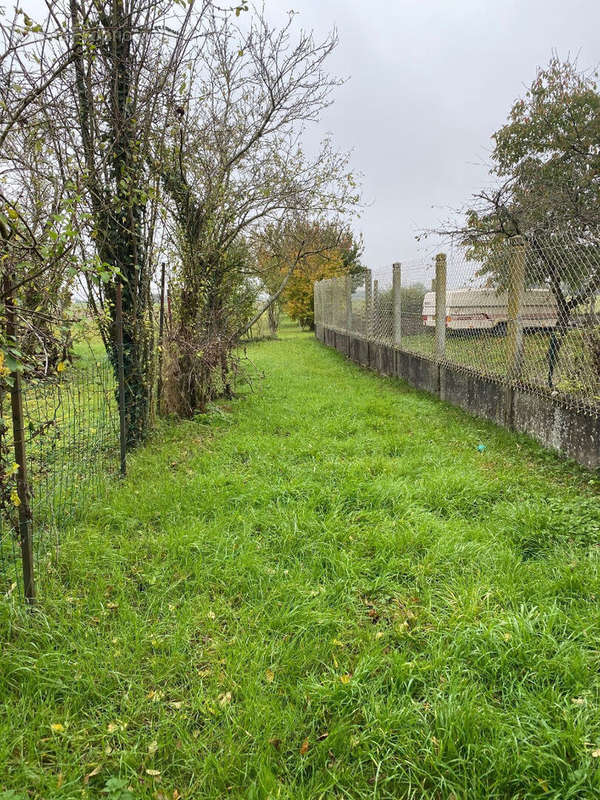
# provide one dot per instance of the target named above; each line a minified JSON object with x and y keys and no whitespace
{"x":487,"y":309}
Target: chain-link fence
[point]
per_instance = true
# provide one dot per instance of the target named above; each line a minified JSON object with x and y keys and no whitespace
{"x":525,"y":311}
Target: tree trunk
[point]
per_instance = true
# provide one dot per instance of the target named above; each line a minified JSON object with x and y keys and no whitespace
{"x":273,"y":317}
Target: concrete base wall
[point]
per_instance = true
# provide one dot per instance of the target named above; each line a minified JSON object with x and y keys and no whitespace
{"x":549,"y":420}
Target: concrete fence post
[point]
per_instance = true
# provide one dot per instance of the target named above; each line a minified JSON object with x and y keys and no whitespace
{"x":514,"y":324}
{"x":397,"y":302}
{"x":376,"y":324}
{"x":348,"y":288}
{"x":440,"y":306}
{"x":368,"y":304}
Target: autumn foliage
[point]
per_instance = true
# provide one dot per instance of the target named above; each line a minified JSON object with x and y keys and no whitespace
{"x":338,"y":255}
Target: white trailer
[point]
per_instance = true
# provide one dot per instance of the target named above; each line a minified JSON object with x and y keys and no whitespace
{"x":486,"y":309}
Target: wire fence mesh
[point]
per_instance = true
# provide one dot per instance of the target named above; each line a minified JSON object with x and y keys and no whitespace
{"x":525,"y":311}
{"x":71,"y":433}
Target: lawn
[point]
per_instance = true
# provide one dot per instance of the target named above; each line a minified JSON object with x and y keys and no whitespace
{"x":576,"y":373}
{"x":322,"y":589}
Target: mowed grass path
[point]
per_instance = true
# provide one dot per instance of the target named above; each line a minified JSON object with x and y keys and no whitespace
{"x":320,"y":590}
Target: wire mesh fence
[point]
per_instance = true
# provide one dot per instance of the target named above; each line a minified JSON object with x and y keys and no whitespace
{"x":525,"y":311}
{"x":71,"y":440}
{"x":65,"y":431}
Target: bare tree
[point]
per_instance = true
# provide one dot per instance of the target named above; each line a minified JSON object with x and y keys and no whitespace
{"x":125,"y":59}
{"x":37,"y":203}
{"x":235,"y":164}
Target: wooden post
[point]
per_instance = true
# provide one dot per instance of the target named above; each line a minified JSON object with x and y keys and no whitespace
{"x":368,"y":304}
{"x":161,"y":326}
{"x":121,"y":375}
{"x":18,"y":423}
{"x":440,"y":306}
{"x":397,"y":302}
{"x":514,"y":324}
{"x":348,"y":287}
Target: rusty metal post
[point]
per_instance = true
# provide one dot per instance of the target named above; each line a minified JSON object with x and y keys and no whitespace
{"x":121,"y":376}
{"x":161,"y":326}
{"x":169,"y":312}
{"x":18,"y":423}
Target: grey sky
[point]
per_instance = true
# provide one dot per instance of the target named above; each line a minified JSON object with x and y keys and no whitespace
{"x":429,"y":82}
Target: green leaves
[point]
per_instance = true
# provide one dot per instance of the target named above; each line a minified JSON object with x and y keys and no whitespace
{"x":117,"y":789}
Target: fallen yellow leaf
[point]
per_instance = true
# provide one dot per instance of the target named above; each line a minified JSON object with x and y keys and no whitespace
{"x":224,"y":698}
{"x":95,"y":771}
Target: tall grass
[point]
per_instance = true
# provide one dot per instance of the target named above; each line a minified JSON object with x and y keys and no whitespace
{"x":323,"y":589}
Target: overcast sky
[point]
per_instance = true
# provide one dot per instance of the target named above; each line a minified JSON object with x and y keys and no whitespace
{"x":428,"y":83}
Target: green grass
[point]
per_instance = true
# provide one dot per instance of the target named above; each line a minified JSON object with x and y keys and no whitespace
{"x":320,"y":590}
{"x":575,"y":374}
